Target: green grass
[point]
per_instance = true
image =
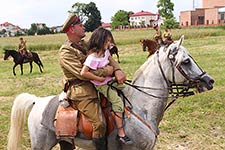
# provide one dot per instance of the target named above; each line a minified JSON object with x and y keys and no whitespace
{"x":195,"y":122}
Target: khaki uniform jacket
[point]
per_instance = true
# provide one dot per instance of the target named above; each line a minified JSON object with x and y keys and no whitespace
{"x":71,"y":59}
{"x":166,"y":35}
{"x":22,"y":45}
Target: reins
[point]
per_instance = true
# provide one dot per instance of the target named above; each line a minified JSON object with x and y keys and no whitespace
{"x":174,"y":90}
{"x":128,"y":109}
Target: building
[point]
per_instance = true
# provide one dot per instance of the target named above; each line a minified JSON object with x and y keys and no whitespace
{"x":106,"y":26}
{"x":211,"y":13}
{"x":8,"y":29}
{"x":142,"y":18}
{"x":56,"y":29}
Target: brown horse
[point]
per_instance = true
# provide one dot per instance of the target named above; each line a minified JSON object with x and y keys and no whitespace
{"x":150,"y":44}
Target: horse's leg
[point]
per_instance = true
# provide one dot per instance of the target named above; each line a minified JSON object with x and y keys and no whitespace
{"x":31,"y":67}
{"x":21,"y":68}
{"x":149,"y":53}
{"x":41,"y":137}
{"x":38,"y":133}
{"x":14,"y":73}
{"x":39,"y":65}
{"x":118,"y":57}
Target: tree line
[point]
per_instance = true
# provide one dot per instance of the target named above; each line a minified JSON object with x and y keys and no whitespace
{"x":91,"y":17}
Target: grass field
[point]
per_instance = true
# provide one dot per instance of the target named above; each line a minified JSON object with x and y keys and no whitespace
{"x":195,"y":122}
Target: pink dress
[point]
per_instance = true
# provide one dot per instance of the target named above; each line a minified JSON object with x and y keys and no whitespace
{"x":95,"y":63}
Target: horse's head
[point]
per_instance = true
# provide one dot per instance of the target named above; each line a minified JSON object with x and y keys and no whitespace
{"x":143,"y":44}
{"x":185,"y":70}
{"x":113,"y":50}
{"x":6,"y":54}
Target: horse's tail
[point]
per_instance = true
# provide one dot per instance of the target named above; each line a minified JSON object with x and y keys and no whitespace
{"x":22,"y":104}
{"x":39,"y":60}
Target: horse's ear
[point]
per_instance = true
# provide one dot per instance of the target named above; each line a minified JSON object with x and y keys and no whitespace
{"x":181,"y":40}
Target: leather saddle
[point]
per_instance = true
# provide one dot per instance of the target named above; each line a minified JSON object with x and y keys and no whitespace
{"x":27,"y":54}
{"x":70,"y":121}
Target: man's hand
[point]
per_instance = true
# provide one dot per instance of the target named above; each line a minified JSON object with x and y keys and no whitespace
{"x":120,"y":76}
{"x":109,"y":70}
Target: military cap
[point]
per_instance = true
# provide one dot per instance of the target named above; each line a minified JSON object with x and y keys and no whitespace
{"x":71,"y":20}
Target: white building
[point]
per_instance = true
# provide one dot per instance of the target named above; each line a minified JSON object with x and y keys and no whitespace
{"x":10,"y":29}
{"x":142,"y":18}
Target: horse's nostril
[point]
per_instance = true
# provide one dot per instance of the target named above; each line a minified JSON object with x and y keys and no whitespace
{"x":212,"y":81}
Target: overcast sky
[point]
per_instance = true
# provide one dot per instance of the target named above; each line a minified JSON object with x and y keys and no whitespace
{"x":54,"y":12}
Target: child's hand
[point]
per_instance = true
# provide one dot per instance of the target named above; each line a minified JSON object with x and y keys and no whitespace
{"x":101,"y":79}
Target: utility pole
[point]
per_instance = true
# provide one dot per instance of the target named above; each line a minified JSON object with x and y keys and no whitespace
{"x":193,"y":4}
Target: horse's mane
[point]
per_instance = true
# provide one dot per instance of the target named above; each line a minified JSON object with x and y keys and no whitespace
{"x":152,"y":58}
{"x":142,"y":68}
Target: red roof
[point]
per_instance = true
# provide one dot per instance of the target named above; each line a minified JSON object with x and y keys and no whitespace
{"x":106,"y":25}
{"x":6,"y":24}
{"x":142,"y":13}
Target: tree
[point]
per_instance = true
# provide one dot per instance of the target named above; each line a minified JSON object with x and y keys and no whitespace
{"x":94,"y":17}
{"x":33,"y":29}
{"x":89,"y":13}
{"x":78,"y":8}
{"x":166,"y":11}
{"x":121,"y":18}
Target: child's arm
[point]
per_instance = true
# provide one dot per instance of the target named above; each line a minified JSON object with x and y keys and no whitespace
{"x":87,"y":74}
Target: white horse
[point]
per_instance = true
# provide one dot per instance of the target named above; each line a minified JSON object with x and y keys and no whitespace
{"x":167,"y":67}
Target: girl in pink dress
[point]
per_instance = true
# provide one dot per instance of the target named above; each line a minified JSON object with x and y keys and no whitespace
{"x":100,"y":42}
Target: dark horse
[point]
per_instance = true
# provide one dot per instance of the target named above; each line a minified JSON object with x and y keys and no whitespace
{"x":114,"y":50}
{"x":19,"y":60}
{"x":150,"y":44}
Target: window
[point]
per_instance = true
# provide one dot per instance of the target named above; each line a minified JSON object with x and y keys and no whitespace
{"x":222,"y":16}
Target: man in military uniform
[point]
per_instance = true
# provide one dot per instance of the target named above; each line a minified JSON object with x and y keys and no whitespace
{"x":167,"y":37}
{"x":22,"y":47}
{"x":72,"y":54}
{"x":158,"y":35}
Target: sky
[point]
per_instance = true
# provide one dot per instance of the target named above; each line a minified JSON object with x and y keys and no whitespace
{"x":54,"y":12}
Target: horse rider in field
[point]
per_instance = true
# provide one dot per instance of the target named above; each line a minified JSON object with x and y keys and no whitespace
{"x":81,"y":91}
{"x":22,"y":47}
{"x":167,"y":37}
{"x":158,"y":35}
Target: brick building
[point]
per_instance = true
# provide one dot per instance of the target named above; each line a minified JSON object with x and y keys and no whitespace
{"x":211,"y":13}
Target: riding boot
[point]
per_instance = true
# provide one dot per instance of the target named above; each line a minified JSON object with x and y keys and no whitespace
{"x":66,"y":144}
{"x":100,"y":143}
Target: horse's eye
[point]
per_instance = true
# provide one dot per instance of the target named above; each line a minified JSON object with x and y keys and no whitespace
{"x":186,"y":61}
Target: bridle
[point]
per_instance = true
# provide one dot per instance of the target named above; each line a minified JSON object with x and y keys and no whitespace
{"x":175,"y":90}
{"x":179,"y":90}
{"x":6,"y":54}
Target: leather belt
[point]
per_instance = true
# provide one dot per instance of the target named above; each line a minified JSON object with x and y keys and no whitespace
{"x":75,"y":81}
{"x":71,"y":82}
